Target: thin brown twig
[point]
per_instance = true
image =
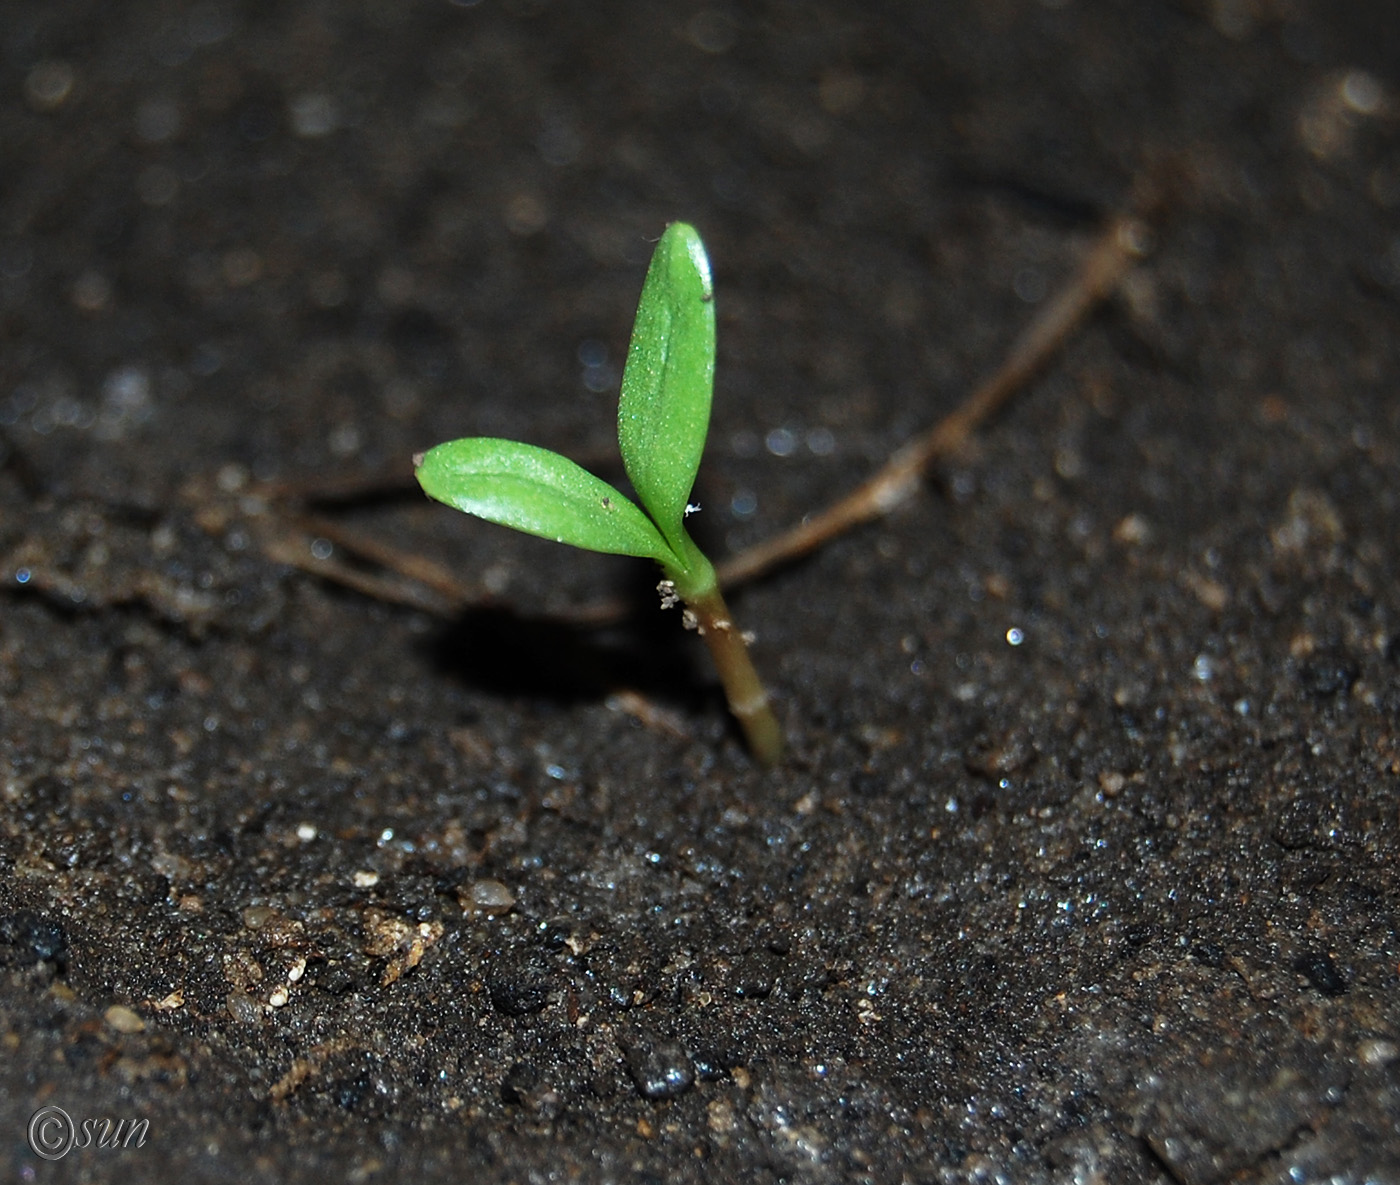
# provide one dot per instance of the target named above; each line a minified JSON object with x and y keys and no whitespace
{"x":392,"y":589}
{"x":1117,"y":247}
{"x":407,"y":564}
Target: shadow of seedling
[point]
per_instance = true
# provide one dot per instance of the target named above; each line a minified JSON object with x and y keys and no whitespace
{"x":501,"y":652}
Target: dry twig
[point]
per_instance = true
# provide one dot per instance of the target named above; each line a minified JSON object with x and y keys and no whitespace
{"x":1117,"y":247}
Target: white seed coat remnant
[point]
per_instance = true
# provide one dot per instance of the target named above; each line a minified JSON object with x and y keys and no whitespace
{"x":365,"y":879}
{"x":279,"y":997}
{"x":296,"y":971}
{"x":691,"y":508}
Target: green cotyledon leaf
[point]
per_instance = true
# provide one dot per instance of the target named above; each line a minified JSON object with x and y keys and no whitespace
{"x":538,"y":492}
{"x":664,"y":411}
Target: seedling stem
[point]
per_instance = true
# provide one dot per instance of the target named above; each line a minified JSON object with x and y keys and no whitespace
{"x":742,"y":687}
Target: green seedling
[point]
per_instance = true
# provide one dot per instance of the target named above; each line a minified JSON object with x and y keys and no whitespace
{"x":662,"y":420}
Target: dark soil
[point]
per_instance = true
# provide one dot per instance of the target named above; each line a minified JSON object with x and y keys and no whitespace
{"x":1083,"y":866}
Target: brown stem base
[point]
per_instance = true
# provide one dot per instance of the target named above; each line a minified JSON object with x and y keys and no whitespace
{"x":747,"y":698}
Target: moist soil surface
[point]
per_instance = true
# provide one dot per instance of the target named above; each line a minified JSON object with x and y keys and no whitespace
{"x":1082,"y":865}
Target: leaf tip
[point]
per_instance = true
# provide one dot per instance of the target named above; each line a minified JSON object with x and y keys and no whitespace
{"x":688,"y":238}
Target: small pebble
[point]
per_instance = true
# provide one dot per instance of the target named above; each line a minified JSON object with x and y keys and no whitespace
{"x":1111,"y":782}
{"x":123,"y":1019}
{"x":1377,"y":1052}
{"x":487,"y":896}
{"x":243,"y":1008}
{"x":255,"y":917}
{"x":660,"y":1068}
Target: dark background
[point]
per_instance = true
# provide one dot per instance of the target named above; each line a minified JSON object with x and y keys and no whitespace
{"x":1118,"y":903}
